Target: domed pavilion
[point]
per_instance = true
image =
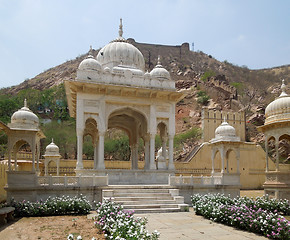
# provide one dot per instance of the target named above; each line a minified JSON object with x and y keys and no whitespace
{"x":114,"y":91}
{"x":225,"y":142}
{"x":23,"y":129}
{"x":277,"y":129}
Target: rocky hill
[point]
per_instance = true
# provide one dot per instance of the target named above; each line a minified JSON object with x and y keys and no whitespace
{"x":207,"y":81}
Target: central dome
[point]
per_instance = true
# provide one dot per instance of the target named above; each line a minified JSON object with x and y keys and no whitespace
{"x":120,"y":52}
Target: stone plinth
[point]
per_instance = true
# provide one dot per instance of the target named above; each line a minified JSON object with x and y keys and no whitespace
{"x":129,"y":177}
{"x":277,"y":184}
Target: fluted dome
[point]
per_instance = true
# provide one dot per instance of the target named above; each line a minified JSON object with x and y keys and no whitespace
{"x":90,"y":64}
{"x":225,"y":129}
{"x":24,"y":118}
{"x":279,"y":109}
{"x":159,"y":71}
{"x":225,"y":132}
{"x":52,"y":149}
{"x":120,"y":52}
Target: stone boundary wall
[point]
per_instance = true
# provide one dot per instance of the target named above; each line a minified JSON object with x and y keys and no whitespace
{"x":224,"y":85}
{"x":3,"y":180}
{"x":211,"y":119}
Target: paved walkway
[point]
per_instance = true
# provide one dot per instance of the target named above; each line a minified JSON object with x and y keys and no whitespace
{"x":188,"y":226}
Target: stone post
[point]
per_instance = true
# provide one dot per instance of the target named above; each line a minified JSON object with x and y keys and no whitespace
{"x":212,"y":161}
{"x":222,"y":158}
{"x":101,"y":162}
{"x":80,"y":137}
{"x":267,"y":152}
{"x":277,"y":154}
{"x":96,"y":148}
{"x":170,"y":153}
{"x":152,"y":165}
{"x":147,"y":153}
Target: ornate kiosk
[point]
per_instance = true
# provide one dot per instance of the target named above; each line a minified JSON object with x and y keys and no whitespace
{"x":277,"y":128}
{"x":114,"y":91}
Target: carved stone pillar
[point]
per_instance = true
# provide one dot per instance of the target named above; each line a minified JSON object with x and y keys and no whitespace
{"x":152,"y":164}
{"x":101,"y":162}
{"x":80,"y":136}
{"x":170,"y":153}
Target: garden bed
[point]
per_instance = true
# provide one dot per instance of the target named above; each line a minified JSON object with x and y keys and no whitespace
{"x":262,"y":215}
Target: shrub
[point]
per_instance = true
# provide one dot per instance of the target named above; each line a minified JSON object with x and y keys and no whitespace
{"x":259,"y":216}
{"x":194,"y":133}
{"x":202,"y":97}
{"x":207,"y":75}
{"x":52,"y":206}
{"x":117,"y":223}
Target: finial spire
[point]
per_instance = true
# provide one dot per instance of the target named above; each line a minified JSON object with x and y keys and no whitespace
{"x":283,"y":88}
{"x":121,"y":29}
{"x":25,"y":103}
{"x":158,"y":61}
{"x":52,"y":140}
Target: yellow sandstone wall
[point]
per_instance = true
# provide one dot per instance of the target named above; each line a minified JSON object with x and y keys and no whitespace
{"x":211,"y":119}
{"x":252,"y":164}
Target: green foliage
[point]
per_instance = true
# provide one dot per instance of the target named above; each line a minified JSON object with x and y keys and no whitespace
{"x":239,"y":86}
{"x":63,"y":134}
{"x":8,"y":105}
{"x":52,"y":206}
{"x":118,"y":147}
{"x":193,"y":133}
{"x":52,"y":98}
{"x":207,"y":75}
{"x":202,"y":97}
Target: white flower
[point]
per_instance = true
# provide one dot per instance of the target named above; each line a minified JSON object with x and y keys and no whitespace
{"x":79,"y":238}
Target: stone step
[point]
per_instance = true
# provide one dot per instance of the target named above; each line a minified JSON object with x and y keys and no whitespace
{"x":147,"y":198}
{"x":141,"y":190}
{"x":143,"y":202}
{"x":150,"y":206}
{"x":141,"y":194}
{"x":156,"y":210}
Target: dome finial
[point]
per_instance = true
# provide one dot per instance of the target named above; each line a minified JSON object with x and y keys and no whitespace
{"x":52,"y":140}
{"x":91,"y":50}
{"x":158,"y":61}
{"x":283,"y":88}
{"x":121,"y":29}
{"x":25,"y":103}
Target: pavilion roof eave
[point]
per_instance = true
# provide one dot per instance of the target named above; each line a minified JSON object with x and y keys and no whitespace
{"x":4,"y":127}
{"x":272,"y":125}
{"x":72,"y":87}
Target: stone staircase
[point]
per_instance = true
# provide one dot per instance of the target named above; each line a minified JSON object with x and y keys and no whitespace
{"x":146,"y":198}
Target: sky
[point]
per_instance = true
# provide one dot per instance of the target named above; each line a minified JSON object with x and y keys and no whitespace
{"x":36,"y":35}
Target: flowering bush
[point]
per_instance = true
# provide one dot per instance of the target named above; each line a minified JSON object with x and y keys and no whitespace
{"x":258,"y":216}
{"x":117,"y":223}
{"x":52,"y":206}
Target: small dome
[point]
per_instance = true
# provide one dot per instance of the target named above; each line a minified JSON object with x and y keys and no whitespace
{"x":52,"y":149}
{"x":160,"y":72}
{"x":279,"y":109}
{"x":120,"y":52}
{"x":225,"y":130}
{"x":90,"y":64}
{"x":24,"y":118}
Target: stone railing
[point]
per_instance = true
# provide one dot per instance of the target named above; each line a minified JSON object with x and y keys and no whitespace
{"x":73,"y":181}
{"x":194,"y":180}
{"x":232,"y":179}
